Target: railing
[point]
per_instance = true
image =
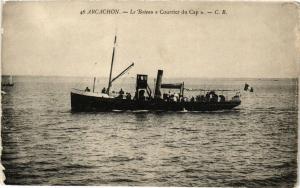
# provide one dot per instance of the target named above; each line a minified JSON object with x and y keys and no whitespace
{"x":193,"y":89}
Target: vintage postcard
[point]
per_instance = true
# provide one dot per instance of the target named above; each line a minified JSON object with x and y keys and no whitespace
{"x":150,"y":93}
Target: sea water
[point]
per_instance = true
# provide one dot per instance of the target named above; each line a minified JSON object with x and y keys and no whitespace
{"x":253,"y":145}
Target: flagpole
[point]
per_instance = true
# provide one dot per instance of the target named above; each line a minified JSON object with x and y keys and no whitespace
{"x":111,"y":66}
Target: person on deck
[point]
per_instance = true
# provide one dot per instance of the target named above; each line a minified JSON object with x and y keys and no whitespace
{"x":214,"y":97}
{"x":192,"y":99}
{"x":207,"y":97}
{"x":121,"y":92}
{"x":165,"y":96}
{"x":222,"y":98}
{"x":128,"y":96}
{"x":103,"y":90}
{"x":176,"y":97}
{"x":142,"y":95}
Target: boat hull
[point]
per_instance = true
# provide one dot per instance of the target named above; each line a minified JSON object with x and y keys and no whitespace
{"x":84,"y":103}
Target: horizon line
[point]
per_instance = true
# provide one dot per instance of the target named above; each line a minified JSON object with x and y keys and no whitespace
{"x":88,"y":76}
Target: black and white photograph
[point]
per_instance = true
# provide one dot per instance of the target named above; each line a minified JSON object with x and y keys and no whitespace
{"x":150,"y":93}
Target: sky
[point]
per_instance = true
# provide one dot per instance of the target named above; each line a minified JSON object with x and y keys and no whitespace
{"x":252,"y":40}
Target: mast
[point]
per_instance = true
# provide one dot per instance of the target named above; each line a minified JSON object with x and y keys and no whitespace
{"x":111,"y":66}
{"x":94,"y":84}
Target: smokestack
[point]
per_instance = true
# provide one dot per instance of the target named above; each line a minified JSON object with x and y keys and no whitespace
{"x":157,"y":93}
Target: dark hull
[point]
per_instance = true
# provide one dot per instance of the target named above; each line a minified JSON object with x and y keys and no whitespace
{"x":7,"y":84}
{"x":85,"y":103}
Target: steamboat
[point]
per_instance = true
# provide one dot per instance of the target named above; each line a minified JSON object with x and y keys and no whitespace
{"x":147,"y":99}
